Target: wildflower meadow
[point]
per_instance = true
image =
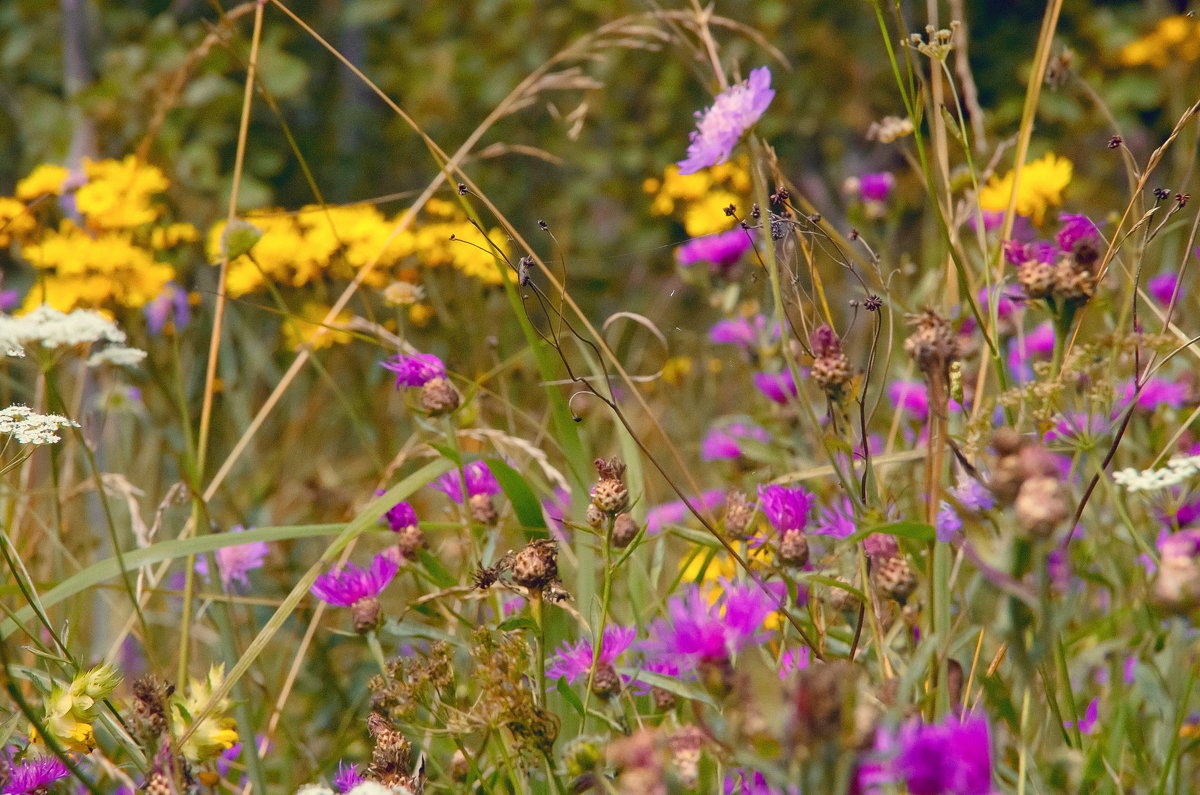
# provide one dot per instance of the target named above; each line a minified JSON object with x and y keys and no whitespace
{"x":790,"y":397}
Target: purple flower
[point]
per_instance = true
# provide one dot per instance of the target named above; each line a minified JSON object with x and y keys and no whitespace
{"x":880,"y":546}
{"x":1163,"y":287}
{"x":722,"y":443}
{"x":345,"y":586}
{"x":876,"y":187}
{"x":794,"y":660}
{"x":779,"y":387}
{"x":696,"y":630}
{"x":1074,"y":229}
{"x":910,"y":396}
{"x":170,"y":305}
{"x":400,"y":516}
{"x":745,"y":782}
{"x":947,"y":522}
{"x":1039,"y":343}
{"x":235,"y":561}
{"x":415,"y":369}
{"x":836,"y":519}
{"x":1157,"y":392}
{"x":347,"y":777}
{"x":556,"y":506}
{"x":9,"y":299}
{"x":746,"y":332}
{"x":720,"y":126}
{"x":35,"y":775}
{"x":720,"y":250}
{"x":573,"y":661}
{"x":480,"y":480}
{"x":951,"y":758}
{"x":786,"y":509}
{"x":1086,"y":724}
{"x":1015,"y":253}
{"x":1005,"y":301}
{"x":677,"y":512}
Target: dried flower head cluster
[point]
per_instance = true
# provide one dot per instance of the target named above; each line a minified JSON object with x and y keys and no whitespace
{"x":1027,"y":476}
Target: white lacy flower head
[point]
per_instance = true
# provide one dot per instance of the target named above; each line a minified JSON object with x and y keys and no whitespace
{"x":1174,"y":473}
{"x":118,"y":355}
{"x":29,"y":427}
{"x":54,"y":329}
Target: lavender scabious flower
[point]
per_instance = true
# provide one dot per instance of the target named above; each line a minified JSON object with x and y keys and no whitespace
{"x":35,"y":775}
{"x":725,"y":443}
{"x":573,"y":661}
{"x":347,"y":585}
{"x":697,"y":631}
{"x":951,"y":758}
{"x":479,"y":480}
{"x":786,"y":509}
{"x":721,"y":251}
{"x":171,"y":305}
{"x":346,"y":778}
{"x":1074,"y":229}
{"x":778,"y":387}
{"x":416,"y":369}
{"x":235,"y":561}
{"x":400,"y":516}
{"x":720,"y":126}
{"x":836,"y":519}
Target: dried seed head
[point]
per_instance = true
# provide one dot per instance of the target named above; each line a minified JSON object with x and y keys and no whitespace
{"x":830,"y":369}
{"x":1037,"y":278}
{"x":438,"y":396}
{"x":840,"y":599}
{"x":825,"y":695}
{"x":1072,"y":282}
{"x":686,"y":746}
{"x":610,"y":468}
{"x":1041,"y":506}
{"x":624,"y":530}
{"x":150,"y":709}
{"x":159,"y":784}
{"x":390,"y":758}
{"x":739,"y":512}
{"x":483,"y":510}
{"x":410,"y":540}
{"x":366,"y":614}
{"x":894,"y":578}
{"x":664,"y":700}
{"x":606,"y":682}
{"x":793,"y":548}
{"x":594,"y":516}
{"x":933,"y":344}
{"x":536,"y":566}
{"x":610,"y":496}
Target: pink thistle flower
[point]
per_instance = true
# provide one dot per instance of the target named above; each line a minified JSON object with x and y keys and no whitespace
{"x":35,"y":775}
{"x":725,"y":443}
{"x":347,"y":777}
{"x":697,"y":631}
{"x":479,"y":480}
{"x":877,"y":186}
{"x":1074,"y":229}
{"x":836,"y":520}
{"x":235,"y":562}
{"x":720,"y":126}
{"x":910,"y":396}
{"x":677,"y":512}
{"x":573,"y":661}
{"x":721,"y":251}
{"x":400,"y":516}
{"x":415,"y":369}
{"x":778,"y":387}
{"x":1157,"y":392}
{"x":786,"y":509}
{"x":746,"y":332}
{"x":949,"y":758}
{"x":1091,"y":716}
{"x":794,"y":660}
{"x":347,"y":585}
{"x":1164,"y":287}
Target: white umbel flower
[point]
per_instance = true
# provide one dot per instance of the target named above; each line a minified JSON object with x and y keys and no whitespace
{"x":54,"y":329}
{"x":29,"y":427}
{"x":1175,"y":472}
{"x":118,"y":355}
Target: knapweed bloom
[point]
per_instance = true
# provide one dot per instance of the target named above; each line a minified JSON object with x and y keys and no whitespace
{"x":910,"y":396}
{"x":836,"y":519}
{"x":950,"y":758}
{"x":699,"y":631}
{"x":778,"y":387}
{"x":357,"y":589}
{"x":786,"y":508}
{"x":1075,"y":228}
{"x":346,"y":778}
{"x":745,"y":332}
{"x":574,"y":661}
{"x":1157,"y":392}
{"x":410,"y":540}
{"x":726,"y":442}
{"x":474,"y":480}
{"x":35,"y":775}
{"x":720,"y":251}
{"x":1165,"y":288}
{"x":438,"y":395}
{"x":1087,"y":723}
{"x":213,"y":735}
{"x":722,"y":125}
{"x":235,"y":561}
{"x":676,"y":512}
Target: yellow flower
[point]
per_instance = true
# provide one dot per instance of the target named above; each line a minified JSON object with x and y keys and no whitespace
{"x":676,"y":369}
{"x":420,"y":314}
{"x":448,"y":238}
{"x":1174,"y":38}
{"x":363,"y":234}
{"x":171,"y":235}
{"x":214,"y":734}
{"x":303,"y":328}
{"x":285,"y":254}
{"x":46,"y":179}
{"x":1041,"y":187}
{"x":117,"y":193}
{"x":16,"y":222}
{"x":722,"y":566}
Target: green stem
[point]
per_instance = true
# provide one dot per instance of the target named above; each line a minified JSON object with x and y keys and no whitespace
{"x":598,"y":637}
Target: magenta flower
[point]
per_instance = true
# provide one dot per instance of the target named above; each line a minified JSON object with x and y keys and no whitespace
{"x":725,"y":443}
{"x":35,"y":775}
{"x":480,"y":480}
{"x":836,"y":519}
{"x":721,"y":251}
{"x":345,"y":586}
{"x":746,"y":332}
{"x":910,"y":396}
{"x":880,"y":546}
{"x":1005,"y":302}
{"x":1157,"y":392}
{"x":778,"y":387}
{"x":1164,"y":287}
{"x":573,"y":661}
{"x":347,"y":777}
{"x":235,"y":561}
{"x":1074,"y":229}
{"x":746,"y":782}
{"x":1086,"y":724}
{"x":415,"y":369}
{"x":400,"y":516}
{"x":677,"y":512}
{"x":720,"y":126}
{"x":794,"y":660}
{"x":1016,"y":253}
{"x":696,"y":630}
{"x":876,"y":187}
{"x":786,"y":509}
{"x":950,"y":758}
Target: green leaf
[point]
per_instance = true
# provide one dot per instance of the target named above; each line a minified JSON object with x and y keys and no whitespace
{"x":689,"y":690}
{"x":524,"y":502}
{"x":448,"y":452}
{"x":437,"y":572}
{"x":517,"y":622}
{"x":569,"y":695}
{"x":917,"y":530}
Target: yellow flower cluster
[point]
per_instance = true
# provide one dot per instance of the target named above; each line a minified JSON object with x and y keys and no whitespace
{"x":316,"y":243}
{"x":302,"y":329}
{"x":699,"y":200}
{"x":105,"y":258}
{"x":710,"y":573}
{"x":1175,"y":38}
{"x":1041,"y":187}
{"x":214,"y":734}
{"x":69,"y":712}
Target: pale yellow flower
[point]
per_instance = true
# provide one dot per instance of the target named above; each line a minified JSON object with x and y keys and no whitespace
{"x":1042,"y":184}
{"x":214,"y":734}
{"x":46,"y":179}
